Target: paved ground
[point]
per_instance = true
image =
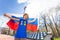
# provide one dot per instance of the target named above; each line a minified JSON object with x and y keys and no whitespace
{"x":48,"y":37}
{"x":7,"y":37}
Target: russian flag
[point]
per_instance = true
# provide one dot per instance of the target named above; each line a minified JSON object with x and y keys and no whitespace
{"x":31,"y":26}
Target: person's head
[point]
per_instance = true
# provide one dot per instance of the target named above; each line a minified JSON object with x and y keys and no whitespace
{"x":25,"y":16}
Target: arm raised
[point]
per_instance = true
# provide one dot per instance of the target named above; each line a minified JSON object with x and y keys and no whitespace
{"x":9,"y":16}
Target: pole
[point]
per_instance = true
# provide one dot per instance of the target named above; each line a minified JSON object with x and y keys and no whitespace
{"x":24,"y":9}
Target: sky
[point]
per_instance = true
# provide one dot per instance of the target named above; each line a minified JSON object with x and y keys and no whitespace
{"x":11,"y":6}
{"x":33,"y":7}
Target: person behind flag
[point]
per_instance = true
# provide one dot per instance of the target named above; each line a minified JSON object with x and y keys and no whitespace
{"x":21,"y":33}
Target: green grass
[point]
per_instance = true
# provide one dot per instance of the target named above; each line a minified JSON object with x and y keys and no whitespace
{"x":56,"y":38}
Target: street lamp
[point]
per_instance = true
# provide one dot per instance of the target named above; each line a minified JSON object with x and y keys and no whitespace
{"x":24,"y":9}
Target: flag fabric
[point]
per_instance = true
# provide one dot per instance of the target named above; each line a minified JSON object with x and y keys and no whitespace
{"x":14,"y":25}
{"x":32,"y":27}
